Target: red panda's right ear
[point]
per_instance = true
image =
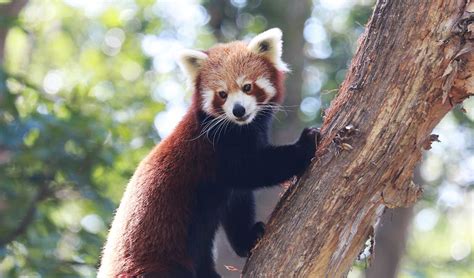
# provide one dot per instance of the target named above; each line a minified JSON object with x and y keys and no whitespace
{"x":190,"y":62}
{"x":269,"y":45}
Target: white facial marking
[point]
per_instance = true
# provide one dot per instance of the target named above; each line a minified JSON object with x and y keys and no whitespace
{"x":266,"y":86}
{"x":241,"y":80}
{"x":247,"y":101}
{"x":222,"y":85}
{"x":207,"y":97}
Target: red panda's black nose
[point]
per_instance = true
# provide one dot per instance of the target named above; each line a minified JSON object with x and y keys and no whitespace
{"x":238,"y":110}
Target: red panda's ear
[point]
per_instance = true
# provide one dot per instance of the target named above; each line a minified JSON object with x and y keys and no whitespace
{"x":190,"y":62}
{"x":269,"y":44}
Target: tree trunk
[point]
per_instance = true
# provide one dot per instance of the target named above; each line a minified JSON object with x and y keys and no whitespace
{"x":414,"y":63}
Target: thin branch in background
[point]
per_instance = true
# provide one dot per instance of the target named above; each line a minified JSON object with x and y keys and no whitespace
{"x":43,"y":193}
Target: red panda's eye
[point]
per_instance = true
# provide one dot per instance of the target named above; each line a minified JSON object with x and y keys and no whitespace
{"x":222,"y":94}
{"x":246,"y":88}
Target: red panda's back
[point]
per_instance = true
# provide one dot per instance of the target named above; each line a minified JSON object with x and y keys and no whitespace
{"x":149,"y":229}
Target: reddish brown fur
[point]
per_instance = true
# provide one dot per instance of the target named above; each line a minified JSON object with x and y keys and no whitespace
{"x":157,"y":203}
{"x":217,"y":103}
{"x":259,"y":94}
{"x":278,"y":79}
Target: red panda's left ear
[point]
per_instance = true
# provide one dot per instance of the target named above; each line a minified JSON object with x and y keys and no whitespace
{"x":269,"y":44}
{"x":190,"y":62}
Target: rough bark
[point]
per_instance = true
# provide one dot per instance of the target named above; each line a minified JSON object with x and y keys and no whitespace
{"x":414,"y":63}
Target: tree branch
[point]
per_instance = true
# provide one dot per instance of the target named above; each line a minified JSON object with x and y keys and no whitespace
{"x":414,"y":63}
{"x":43,"y":193}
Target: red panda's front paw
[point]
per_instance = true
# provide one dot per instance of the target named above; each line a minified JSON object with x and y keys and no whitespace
{"x":308,"y":141}
{"x":254,"y":235}
{"x":258,"y":229}
{"x":257,"y":233}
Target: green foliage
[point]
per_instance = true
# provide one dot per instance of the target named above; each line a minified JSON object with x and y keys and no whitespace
{"x":72,"y":110}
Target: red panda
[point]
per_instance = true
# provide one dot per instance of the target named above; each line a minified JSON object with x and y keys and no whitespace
{"x":203,"y":174}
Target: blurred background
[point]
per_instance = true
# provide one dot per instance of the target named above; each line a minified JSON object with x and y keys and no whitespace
{"x":87,"y":88}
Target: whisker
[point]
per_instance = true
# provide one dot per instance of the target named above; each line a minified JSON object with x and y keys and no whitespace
{"x":207,"y":125}
{"x":221,"y":129}
{"x":218,"y":125}
{"x":275,"y":107}
{"x":273,"y":115}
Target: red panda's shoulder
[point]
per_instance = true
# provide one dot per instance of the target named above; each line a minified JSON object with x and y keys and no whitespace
{"x":185,"y":153}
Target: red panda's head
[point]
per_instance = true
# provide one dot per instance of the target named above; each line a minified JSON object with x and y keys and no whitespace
{"x":237,"y":80}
